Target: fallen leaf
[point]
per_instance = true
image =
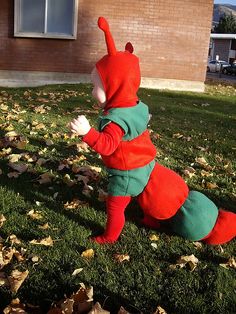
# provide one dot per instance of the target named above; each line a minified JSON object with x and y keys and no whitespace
{"x":46,"y":178}
{"x":190,"y":260}
{"x":97,"y":309}
{"x":83,"y":299}
{"x":14,"y":240}
{"x":189,"y":172}
{"x":102,"y":195}
{"x":197,"y":245}
{"x":121,"y":257}
{"x":35,"y":214}
{"x":160,"y":310}
{"x":44,"y":227}
{"x":13,"y":174}
{"x":154,"y":237}
{"x":123,"y":311}
{"x":46,"y":241}
{"x":89,"y":253}
{"x":6,"y":255}
{"x":16,"y":279}
{"x":211,"y":186}
{"x":3,"y":279}
{"x":20,"y":167}
{"x":77,"y":271}
{"x":15,"y":307}
{"x":230,"y":264}
{"x":2,"y":220}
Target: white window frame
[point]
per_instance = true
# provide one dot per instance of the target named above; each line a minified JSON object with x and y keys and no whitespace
{"x":18,"y":33}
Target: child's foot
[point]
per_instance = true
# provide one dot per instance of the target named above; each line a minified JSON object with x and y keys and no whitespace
{"x":102,"y":240}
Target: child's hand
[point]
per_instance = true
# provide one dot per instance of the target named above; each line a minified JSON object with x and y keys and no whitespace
{"x":80,"y":126}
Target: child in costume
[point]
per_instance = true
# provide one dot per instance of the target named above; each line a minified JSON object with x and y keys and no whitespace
{"x":125,"y":146}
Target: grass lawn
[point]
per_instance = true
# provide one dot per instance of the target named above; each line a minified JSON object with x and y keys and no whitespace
{"x":50,"y":188}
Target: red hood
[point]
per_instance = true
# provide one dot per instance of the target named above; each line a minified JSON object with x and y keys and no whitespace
{"x":119,"y":72}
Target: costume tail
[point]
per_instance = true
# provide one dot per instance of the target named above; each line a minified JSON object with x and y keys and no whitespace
{"x":224,"y":229}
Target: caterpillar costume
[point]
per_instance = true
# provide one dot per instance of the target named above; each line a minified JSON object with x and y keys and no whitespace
{"x":162,"y":194}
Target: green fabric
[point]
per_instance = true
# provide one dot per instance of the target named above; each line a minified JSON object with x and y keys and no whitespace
{"x":133,"y":120}
{"x":195,"y":218}
{"x":129,"y":182}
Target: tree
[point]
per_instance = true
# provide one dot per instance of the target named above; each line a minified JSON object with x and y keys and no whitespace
{"x":227,"y":24}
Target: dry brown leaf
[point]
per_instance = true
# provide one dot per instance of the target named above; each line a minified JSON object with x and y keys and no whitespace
{"x":177,"y":135}
{"x":230,"y":264}
{"x":46,"y":178}
{"x":189,"y":172}
{"x":41,"y":161}
{"x":6,"y":255}
{"x":83,"y":299}
{"x":74,"y":204}
{"x":206,"y":174}
{"x":102,"y":195}
{"x":18,"y":256}
{"x":16,"y":279}
{"x":3,"y":279}
{"x":46,"y":241}
{"x":13,"y":174}
{"x":77,"y":271}
{"x":68,"y":181}
{"x":211,"y":186}
{"x":15,"y":307}
{"x":67,"y":306}
{"x":1,"y":171}
{"x":154,"y":237}
{"x":197,"y":245}
{"x":82,"y":147}
{"x":160,"y":310}
{"x":89,"y":253}
{"x":14,"y":158}
{"x":20,"y":167}
{"x":189,"y":260}
{"x":49,"y":142}
{"x":97,"y":309}
{"x":14,"y":240}
{"x":44,"y":227}
{"x":35,"y":214}
{"x":11,"y":134}
{"x":2,"y":220}
{"x":123,"y":311}
{"x":121,"y":257}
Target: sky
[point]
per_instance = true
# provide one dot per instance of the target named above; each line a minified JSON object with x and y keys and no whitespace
{"x":225,"y":2}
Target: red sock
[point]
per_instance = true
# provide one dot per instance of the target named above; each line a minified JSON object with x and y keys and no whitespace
{"x":115,"y":218}
{"x":224,"y":229}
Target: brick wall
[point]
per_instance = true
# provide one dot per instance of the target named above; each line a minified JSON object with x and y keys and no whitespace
{"x":171,"y":38}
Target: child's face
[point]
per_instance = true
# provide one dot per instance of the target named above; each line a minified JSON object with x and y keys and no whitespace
{"x":98,"y":91}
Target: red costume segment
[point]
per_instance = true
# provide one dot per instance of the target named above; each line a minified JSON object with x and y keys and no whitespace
{"x":224,"y":229}
{"x":164,"y":194}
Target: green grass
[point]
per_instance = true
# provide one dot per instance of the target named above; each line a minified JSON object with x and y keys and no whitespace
{"x":206,"y":124}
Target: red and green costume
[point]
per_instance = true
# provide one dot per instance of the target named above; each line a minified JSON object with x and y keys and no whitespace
{"x":124,"y":143}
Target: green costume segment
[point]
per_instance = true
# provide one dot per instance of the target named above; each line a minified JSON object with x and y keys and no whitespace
{"x":133,"y":120}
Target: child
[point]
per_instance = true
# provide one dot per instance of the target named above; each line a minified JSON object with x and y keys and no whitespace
{"x":124,"y":143}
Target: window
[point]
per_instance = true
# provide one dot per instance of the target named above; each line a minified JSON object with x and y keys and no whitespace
{"x":46,"y":18}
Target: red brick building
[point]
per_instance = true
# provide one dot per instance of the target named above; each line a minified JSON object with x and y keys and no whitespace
{"x":59,"y":40}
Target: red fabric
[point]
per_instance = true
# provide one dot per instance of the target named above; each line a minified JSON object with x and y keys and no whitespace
{"x":224,"y":229}
{"x":119,"y":72}
{"x":116,"y":206}
{"x":132,"y":154}
{"x":105,"y":142}
{"x":151,"y":222}
{"x":164,"y":194}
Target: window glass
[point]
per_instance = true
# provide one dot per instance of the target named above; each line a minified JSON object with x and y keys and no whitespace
{"x":32,"y":16}
{"x":46,"y":18}
{"x":59,"y":17}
